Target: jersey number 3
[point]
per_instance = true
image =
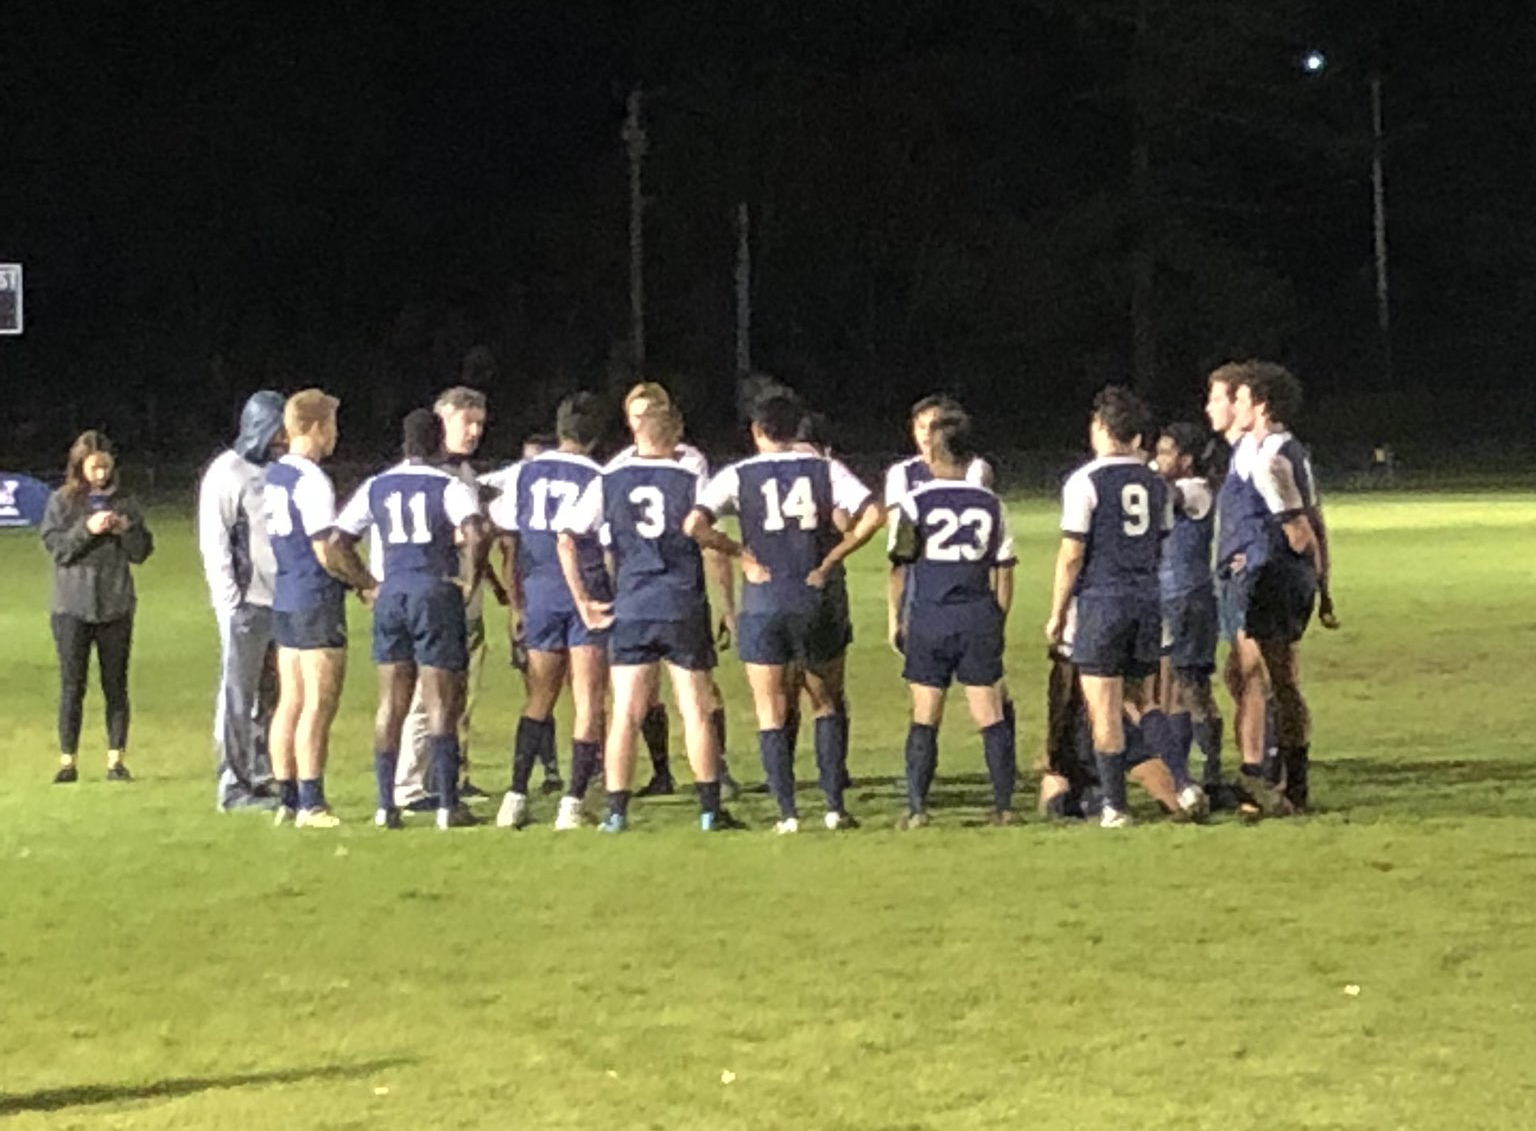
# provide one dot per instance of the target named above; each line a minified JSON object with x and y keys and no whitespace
{"x":651,"y":522}
{"x":943,"y":545}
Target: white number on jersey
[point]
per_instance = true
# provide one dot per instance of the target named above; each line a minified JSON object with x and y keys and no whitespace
{"x":652,"y":522}
{"x":1138,"y":514}
{"x":799,"y":504}
{"x":279,"y":517}
{"x":561,"y":491}
{"x":943,"y":545}
{"x":420,"y":533}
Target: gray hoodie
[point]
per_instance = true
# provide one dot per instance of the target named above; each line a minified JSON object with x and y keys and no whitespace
{"x":231,"y":516}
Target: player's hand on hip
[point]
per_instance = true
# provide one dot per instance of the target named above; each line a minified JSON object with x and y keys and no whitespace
{"x":368,"y":596}
{"x":817,"y":578}
{"x":596,"y":615}
{"x":753,"y":570}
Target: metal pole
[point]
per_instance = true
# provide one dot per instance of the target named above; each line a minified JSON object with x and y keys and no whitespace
{"x":1379,"y":225}
{"x":743,"y":292}
{"x":635,"y":142}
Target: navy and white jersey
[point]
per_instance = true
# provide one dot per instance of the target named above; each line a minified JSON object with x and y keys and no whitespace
{"x":534,"y":492}
{"x":300,"y":507}
{"x":951,"y":535}
{"x":1186,"y":561}
{"x":641,"y":503}
{"x":686,"y":454}
{"x":906,"y":476}
{"x":416,"y":511}
{"x":1120,"y":509}
{"x":785,"y":501}
{"x":1270,"y":483}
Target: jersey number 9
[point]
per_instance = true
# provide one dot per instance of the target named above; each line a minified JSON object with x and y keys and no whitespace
{"x":1138,"y":515}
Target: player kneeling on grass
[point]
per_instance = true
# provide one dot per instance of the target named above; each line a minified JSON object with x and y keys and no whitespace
{"x":1189,"y":605}
{"x":791,"y":627}
{"x":309,"y":615}
{"x":422,"y":512}
{"x":660,"y":611}
{"x":559,"y":644}
{"x":1115,"y":512}
{"x":952,"y":538}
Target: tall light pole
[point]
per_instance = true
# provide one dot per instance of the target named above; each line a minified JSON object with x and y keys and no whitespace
{"x":636,"y":143}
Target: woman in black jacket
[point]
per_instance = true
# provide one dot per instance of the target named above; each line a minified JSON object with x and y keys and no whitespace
{"x":94,"y":533}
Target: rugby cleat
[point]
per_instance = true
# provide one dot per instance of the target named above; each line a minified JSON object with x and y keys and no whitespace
{"x":613,"y":823}
{"x":1112,"y":818}
{"x":1193,"y":803}
{"x":66,"y":775}
{"x":914,"y":820}
{"x":514,"y":811}
{"x":552,"y":784}
{"x":426,"y":803}
{"x":661,"y":785}
{"x":321,"y":818}
{"x":788,"y":826}
{"x":389,"y":818}
{"x":1001,"y":818}
{"x":570,"y":815}
{"x":469,"y":791}
{"x":459,"y":817}
{"x":721,"y":822}
{"x":837,"y":821}
{"x":283,"y":815}
{"x":118,"y":772}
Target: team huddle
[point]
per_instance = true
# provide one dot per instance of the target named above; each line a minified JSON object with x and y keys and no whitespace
{"x":614,"y":572}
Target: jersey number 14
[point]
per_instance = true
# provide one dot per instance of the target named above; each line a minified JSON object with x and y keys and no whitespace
{"x":798,"y":504}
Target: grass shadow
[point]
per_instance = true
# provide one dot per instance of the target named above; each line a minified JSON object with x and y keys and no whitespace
{"x":85,"y":1095}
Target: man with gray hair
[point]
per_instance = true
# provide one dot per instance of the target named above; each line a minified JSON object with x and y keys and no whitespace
{"x":241,"y":571}
{"x":462,"y":411}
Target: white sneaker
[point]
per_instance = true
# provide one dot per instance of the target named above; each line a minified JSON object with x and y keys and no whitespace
{"x":787,"y":826}
{"x":316,"y":819}
{"x":836,"y":821}
{"x":1193,"y":802}
{"x":1113,"y":818}
{"x":570,"y":815}
{"x":514,"y":811}
{"x":285,"y":816}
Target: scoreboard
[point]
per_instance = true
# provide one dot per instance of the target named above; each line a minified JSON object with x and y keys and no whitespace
{"x":10,"y":298}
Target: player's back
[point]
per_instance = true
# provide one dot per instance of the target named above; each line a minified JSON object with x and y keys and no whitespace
{"x":541,"y":488}
{"x":659,"y":570}
{"x":905,"y":476}
{"x":417,"y":510}
{"x":951,"y":535}
{"x":1119,"y":508}
{"x":1186,"y":558}
{"x":300,"y":506}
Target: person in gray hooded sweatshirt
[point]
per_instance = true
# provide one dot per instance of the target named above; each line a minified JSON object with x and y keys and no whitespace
{"x":240,"y":568}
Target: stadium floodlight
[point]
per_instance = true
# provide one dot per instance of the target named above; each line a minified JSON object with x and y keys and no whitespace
{"x":10,"y":298}
{"x":1314,"y":62}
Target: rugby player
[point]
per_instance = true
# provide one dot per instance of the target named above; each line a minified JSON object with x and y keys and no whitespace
{"x":559,"y":645}
{"x":790,"y":627}
{"x":420,"y":634}
{"x":309,"y":618}
{"x":660,"y":610}
{"x":951,"y":538}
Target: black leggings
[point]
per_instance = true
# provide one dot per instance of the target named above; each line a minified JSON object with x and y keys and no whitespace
{"x":73,"y":638}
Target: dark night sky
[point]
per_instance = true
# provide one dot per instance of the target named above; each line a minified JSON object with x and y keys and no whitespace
{"x":212,"y":196}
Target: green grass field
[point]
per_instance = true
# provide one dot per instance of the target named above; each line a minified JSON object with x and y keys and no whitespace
{"x":165,"y":966}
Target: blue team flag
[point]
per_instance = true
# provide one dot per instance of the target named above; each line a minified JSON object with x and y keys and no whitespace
{"x":22,"y":500}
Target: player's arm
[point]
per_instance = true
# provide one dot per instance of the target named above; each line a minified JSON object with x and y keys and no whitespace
{"x":700,"y":526}
{"x":902,"y":551}
{"x":1275,"y":480}
{"x":336,"y":551}
{"x":583,"y":517}
{"x":1002,"y":587}
{"x":511,"y":582}
{"x":1003,"y":561}
{"x":334,"y":537}
{"x":1325,"y":613}
{"x":1079,"y":499}
{"x":722,"y":577}
{"x":852,"y":497}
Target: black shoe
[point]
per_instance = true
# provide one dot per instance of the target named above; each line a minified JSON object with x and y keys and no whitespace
{"x":469,"y":791}
{"x":66,"y":775}
{"x":723,"y":821}
{"x":1222,"y":796}
{"x":427,"y":804}
{"x":389,"y":819}
{"x":118,"y":772}
{"x":456,"y":818}
{"x":661,"y":785}
{"x":552,"y":784}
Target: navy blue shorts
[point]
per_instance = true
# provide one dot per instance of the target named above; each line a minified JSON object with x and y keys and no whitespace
{"x":954,"y":644}
{"x":1283,"y":594}
{"x":558,"y":630}
{"x":324,"y":626}
{"x":421,"y":626}
{"x":1189,"y":631}
{"x":687,"y":644}
{"x":1233,"y":591}
{"x":812,"y":638}
{"x":1117,"y":636}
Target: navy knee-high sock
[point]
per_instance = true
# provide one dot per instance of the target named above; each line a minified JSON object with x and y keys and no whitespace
{"x":922,"y":764}
{"x":832,"y":758}
{"x":997,"y":743}
{"x":1159,"y":736}
{"x":384,"y":764}
{"x":654,"y":730}
{"x":778,"y":768}
{"x":1183,"y":728}
{"x":585,"y":760}
{"x":547,"y":756}
{"x":792,"y":729}
{"x":1111,"y":766}
{"x":531,"y":736}
{"x":444,"y":749}
{"x":1208,"y":738}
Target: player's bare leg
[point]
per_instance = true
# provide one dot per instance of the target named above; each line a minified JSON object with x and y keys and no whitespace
{"x":823,"y":685}
{"x":634,"y":693}
{"x":589,"y":688}
{"x":442,"y":694}
{"x":397,"y":684}
{"x":1104,"y":700}
{"x":989,"y":711}
{"x":1251,"y":677}
{"x":322,"y":672}
{"x":545,"y":678}
{"x":281,"y":732}
{"x":1293,"y":719}
{"x":922,"y":754}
